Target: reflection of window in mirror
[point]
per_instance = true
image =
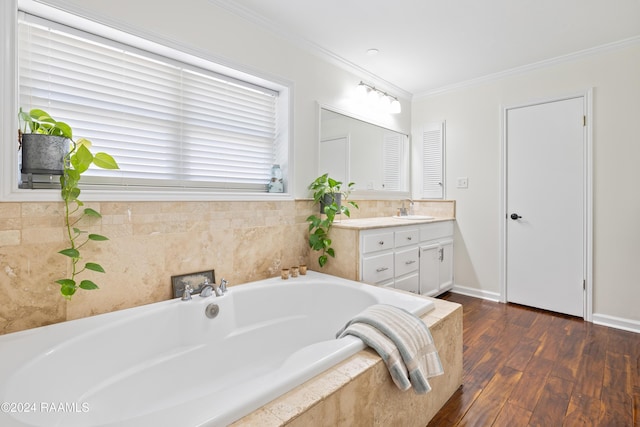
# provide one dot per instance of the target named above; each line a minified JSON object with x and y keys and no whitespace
{"x":433,"y":160}
{"x":394,"y":152}
{"x":376,"y":158}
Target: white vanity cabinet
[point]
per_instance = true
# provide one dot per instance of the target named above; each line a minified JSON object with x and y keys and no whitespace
{"x":416,"y":258}
{"x":436,"y":258}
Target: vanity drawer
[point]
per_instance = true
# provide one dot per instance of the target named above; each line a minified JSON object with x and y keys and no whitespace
{"x":377,"y":242}
{"x":407,"y":237}
{"x":377,"y":268}
{"x":436,"y":230}
{"x":409,"y":283}
{"x":407,"y":261}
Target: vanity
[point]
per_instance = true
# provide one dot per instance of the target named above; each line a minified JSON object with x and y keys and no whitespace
{"x":414,"y":255}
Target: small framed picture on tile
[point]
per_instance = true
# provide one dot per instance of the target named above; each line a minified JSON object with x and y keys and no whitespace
{"x":194,"y":280}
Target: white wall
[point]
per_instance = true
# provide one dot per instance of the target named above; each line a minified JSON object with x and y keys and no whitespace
{"x":200,"y":25}
{"x":474,"y":132}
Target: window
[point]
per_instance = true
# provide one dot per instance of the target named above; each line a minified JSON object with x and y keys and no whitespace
{"x":168,"y":122}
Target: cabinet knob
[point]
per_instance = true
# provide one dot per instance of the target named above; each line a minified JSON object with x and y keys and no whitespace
{"x":409,"y":238}
{"x":381,"y":242}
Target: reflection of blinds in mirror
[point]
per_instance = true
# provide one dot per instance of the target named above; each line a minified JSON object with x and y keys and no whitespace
{"x":432,"y":161}
{"x":392,"y":161}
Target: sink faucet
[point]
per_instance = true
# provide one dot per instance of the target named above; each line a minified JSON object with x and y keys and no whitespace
{"x":403,"y":209}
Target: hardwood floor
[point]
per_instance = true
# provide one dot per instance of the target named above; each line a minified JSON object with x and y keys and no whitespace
{"x":528,"y":367}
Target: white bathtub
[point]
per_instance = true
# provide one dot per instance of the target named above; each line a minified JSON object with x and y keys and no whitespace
{"x":167,"y":364}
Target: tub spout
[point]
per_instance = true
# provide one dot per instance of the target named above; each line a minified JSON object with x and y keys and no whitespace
{"x":207,"y":289}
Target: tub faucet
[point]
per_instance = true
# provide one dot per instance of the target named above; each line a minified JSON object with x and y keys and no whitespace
{"x":186,"y":294}
{"x":206,"y":290}
{"x":223,"y":285}
{"x":210,"y":289}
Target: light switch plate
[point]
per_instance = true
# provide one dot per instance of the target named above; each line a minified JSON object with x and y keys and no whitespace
{"x":463,"y":182}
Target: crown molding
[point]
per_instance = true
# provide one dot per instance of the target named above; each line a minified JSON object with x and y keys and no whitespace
{"x":620,"y":44}
{"x":309,"y":46}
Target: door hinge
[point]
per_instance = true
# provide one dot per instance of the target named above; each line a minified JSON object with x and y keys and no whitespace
{"x":584,"y":120}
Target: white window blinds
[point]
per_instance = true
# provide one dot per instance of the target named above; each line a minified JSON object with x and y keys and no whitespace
{"x":167,"y":123}
{"x":433,"y":161}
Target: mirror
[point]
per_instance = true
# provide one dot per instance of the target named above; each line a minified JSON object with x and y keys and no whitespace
{"x":352,"y":150}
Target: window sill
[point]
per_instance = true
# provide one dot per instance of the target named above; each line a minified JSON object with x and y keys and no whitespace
{"x":142,"y":195}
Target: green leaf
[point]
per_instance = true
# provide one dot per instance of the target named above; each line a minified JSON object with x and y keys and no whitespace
{"x":88,"y":285}
{"x":322,"y":260}
{"x":65,"y":129}
{"x":82,"y":159}
{"x":70,"y":252}
{"x":66,"y":282}
{"x":67,"y":290}
{"x":97,"y":237}
{"x":94,"y":267}
{"x":331,"y":252}
{"x":105,"y":161}
{"x":92,"y":212}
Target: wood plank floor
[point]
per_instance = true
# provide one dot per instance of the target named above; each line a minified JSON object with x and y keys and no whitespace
{"x":528,"y":367}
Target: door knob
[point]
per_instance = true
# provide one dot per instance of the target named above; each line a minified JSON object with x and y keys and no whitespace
{"x":515,"y":216}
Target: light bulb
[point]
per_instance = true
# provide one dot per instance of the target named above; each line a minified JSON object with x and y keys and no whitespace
{"x":395,"y":107}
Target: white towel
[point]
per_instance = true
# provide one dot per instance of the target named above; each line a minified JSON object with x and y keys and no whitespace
{"x":402,"y":340}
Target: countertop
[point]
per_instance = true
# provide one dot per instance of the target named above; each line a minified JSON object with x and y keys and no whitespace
{"x":384,"y":221}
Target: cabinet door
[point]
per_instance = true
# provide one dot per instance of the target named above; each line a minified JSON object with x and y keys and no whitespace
{"x":446,"y":265}
{"x":429,"y":269}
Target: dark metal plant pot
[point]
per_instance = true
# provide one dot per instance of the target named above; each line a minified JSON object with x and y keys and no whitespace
{"x":43,"y":154}
{"x":329,"y":198}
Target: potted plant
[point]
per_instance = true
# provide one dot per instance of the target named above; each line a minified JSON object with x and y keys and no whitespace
{"x":75,"y":162}
{"x":43,"y":143}
{"x":328,"y":193}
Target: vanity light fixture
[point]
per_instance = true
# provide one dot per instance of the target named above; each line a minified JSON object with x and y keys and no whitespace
{"x":389,"y":102}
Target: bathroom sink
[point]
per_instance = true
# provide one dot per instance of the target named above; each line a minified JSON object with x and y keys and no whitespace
{"x":413,"y":217}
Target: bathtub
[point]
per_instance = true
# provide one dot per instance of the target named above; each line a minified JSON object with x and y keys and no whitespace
{"x":167,"y":364}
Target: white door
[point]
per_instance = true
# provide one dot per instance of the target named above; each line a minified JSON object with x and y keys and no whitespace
{"x":545,"y":206}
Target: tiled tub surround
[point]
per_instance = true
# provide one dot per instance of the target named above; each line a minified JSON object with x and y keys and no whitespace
{"x":360,"y":391}
{"x":150,"y":242}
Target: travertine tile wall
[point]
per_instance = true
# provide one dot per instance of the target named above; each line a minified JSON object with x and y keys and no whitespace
{"x":149,"y":242}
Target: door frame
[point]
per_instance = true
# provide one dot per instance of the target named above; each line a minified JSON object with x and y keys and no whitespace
{"x":587,"y":97}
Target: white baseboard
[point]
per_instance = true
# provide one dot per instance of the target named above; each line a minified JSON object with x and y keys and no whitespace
{"x":616,"y":322}
{"x":477,"y":293}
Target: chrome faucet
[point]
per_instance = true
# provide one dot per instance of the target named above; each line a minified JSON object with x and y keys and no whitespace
{"x":210,"y":289}
{"x":186,"y":294}
{"x":206,"y":290}
{"x":403,"y":209}
{"x":223,"y":285}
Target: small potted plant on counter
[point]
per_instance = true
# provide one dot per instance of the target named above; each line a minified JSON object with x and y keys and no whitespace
{"x":76,"y":160}
{"x":328,"y":193}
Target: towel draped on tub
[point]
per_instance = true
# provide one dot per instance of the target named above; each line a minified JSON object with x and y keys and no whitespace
{"x":402,"y":340}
